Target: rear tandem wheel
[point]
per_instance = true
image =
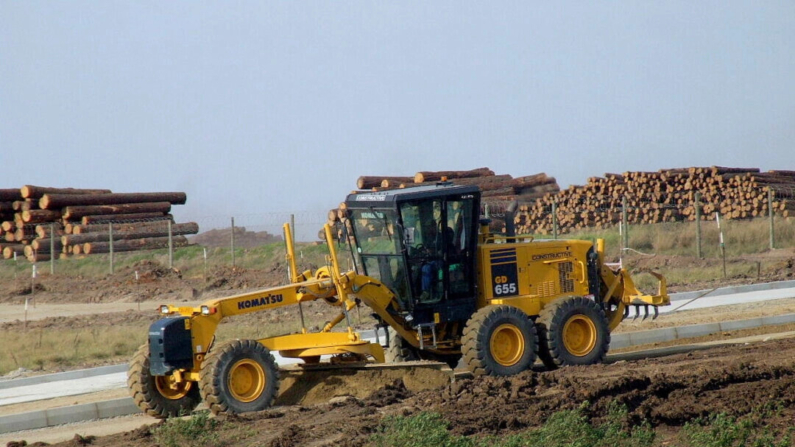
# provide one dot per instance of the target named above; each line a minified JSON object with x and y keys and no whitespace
{"x":572,"y":331}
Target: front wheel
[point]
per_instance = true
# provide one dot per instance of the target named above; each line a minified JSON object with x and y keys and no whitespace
{"x":238,"y":377}
{"x":573,"y":331}
{"x":499,"y":340}
{"x":399,"y":350}
{"x":159,"y":396}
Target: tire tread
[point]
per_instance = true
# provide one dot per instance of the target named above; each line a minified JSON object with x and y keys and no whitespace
{"x":147,"y":398}
{"x":475,"y":347}
{"x":549,"y":328}
{"x":210,"y":380}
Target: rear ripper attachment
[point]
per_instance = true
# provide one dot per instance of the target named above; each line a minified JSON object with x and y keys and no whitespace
{"x":621,"y":293}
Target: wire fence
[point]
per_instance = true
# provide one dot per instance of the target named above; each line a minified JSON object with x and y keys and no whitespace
{"x":99,"y":247}
{"x":682,"y":227}
{"x":739,"y":238}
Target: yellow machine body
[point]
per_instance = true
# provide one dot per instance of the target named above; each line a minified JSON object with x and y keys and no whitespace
{"x":529,"y":274}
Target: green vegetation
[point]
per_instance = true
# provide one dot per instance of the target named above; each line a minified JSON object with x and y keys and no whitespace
{"x":573,"y":428}
{"x":721,"y":430}
{"x":198,"y":430}
{"x":565,"y":428}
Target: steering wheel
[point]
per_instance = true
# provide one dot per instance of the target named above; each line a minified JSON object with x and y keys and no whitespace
{"x":418,"y":249}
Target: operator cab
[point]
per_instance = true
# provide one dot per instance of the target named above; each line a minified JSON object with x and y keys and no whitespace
{"x":420,"y":242}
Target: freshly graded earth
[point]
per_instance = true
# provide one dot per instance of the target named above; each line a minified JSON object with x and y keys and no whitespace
{"x":667,"y":392}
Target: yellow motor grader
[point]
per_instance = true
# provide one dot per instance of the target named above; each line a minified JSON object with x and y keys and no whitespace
{"x":440,"y":285}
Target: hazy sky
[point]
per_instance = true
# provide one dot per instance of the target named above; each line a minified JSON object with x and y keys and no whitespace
{"x":255,"y":107}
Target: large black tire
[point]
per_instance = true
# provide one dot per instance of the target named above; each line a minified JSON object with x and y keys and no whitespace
{"x":572,"y":331}
{"x":499,"y":340}
{"x":238,"y":377}
{"x":153,"y":395}
{"x":401,"y":351}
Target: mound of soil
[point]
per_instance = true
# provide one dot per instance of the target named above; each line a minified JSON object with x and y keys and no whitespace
{"x":307,"y":387}
{"x":243,"y":238}
{"x":144,"y":281}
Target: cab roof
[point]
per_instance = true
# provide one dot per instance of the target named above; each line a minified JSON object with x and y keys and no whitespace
{"x":368,"y":199}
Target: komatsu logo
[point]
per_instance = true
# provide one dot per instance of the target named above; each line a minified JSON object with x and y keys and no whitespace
{"x":544,"y":257}
{"x":256,"y":302}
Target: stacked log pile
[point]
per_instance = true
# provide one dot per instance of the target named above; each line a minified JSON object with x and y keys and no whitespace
{"x":36,"y":220}
{"x":668,"y":195}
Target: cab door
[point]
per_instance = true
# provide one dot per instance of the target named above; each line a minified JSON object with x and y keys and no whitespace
{"x":421,"y":222}
{"x":440,"y":244}
{"x":460,"y":242}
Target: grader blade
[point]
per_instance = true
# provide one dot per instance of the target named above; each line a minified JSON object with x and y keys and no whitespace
{"x":311,"y":384}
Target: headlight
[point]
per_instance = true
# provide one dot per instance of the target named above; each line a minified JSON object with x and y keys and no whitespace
{"x":205,"y":310}
{"x":164,"y":310}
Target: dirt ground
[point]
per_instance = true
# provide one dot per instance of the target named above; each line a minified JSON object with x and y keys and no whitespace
{"x":667,"y":391}
{"x":155,"y":283}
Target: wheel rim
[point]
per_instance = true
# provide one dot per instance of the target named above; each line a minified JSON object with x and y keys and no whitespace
{"x":170,"y":389}
{"x":246,"y":380}
{"x":507,"y":344}
{"x":579,"y":335}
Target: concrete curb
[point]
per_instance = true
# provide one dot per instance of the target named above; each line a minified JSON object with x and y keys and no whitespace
{"x":732,"y":290}
{"x":627,"y":339}
{"x":66,"y":415}
{"x":68,"y":375}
